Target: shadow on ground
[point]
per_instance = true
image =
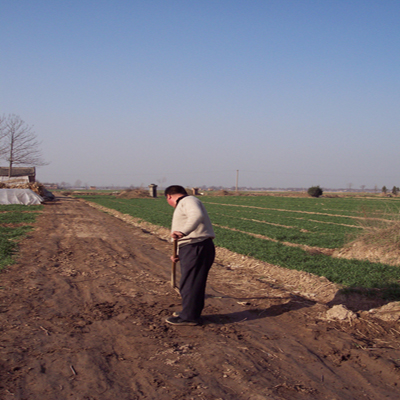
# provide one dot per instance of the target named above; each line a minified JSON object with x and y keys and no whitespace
{"x":257,"y":313}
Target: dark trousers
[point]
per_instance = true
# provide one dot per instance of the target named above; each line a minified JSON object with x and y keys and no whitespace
{"x":195,"y":260}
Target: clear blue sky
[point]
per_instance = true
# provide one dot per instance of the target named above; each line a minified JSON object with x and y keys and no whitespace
{"x":291,"y":93}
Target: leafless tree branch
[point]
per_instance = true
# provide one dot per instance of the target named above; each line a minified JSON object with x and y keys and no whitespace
{"x":2,"y":135}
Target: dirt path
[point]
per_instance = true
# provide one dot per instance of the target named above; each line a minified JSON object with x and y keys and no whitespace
{"x":82,"y":317}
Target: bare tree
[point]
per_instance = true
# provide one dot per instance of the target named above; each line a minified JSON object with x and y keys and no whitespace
{"x":19,"y":145}
{"x":2,"y":135}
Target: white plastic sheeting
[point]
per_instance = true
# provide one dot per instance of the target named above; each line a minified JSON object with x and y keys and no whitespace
{"x":20,"y":196}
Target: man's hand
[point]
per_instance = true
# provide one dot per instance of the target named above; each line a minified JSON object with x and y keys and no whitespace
{"x":177,"y":235}
{"x":175,"y":259}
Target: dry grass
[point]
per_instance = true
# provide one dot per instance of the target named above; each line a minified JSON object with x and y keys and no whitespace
{"x":384,"y":234}
{"x":379,"y":240}
{"x":381,"y":228}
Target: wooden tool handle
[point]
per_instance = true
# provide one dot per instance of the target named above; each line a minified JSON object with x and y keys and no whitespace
{"x":173,"y":271}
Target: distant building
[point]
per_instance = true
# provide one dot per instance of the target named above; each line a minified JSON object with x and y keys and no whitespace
{"x":18,"y":174}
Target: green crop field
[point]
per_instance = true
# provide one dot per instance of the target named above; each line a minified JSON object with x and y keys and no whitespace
{"x":262,"y":226}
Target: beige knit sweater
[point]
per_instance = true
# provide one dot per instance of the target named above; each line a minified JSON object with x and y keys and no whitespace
{"x":191,"y":218}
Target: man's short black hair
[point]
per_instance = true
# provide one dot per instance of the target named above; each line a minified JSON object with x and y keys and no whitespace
{"x":175,"y":189}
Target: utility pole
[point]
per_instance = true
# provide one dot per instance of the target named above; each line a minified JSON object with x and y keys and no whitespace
{"x":237,"y":180}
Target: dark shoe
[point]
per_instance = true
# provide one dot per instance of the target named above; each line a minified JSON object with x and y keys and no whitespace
{"x":180,"y":321}
{"x":175,"y":314}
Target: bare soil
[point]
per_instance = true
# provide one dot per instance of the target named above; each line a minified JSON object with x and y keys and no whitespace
{"x":82,"y":317}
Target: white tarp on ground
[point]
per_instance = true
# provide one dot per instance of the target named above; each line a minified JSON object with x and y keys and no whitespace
{"x":20,"y":196}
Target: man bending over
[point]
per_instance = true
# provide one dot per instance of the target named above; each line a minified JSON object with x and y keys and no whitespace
{"x":191,"y":227}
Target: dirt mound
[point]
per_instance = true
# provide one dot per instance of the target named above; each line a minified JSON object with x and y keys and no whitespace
{"x":388,"y":312}
{"x":340,"y":312}
{"x":133,"y":194}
